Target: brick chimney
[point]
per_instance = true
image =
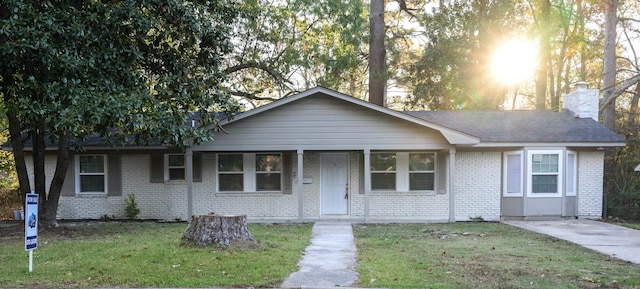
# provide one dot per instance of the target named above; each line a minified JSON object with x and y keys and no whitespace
{"x":582,"y":102}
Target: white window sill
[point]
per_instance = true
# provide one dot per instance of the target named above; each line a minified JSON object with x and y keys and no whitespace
{"x":248,"y":194}
{"x":512,"y":195}
{"x":403,"y":193}
{"x":91,"y":195}
{"x":544,"y":195}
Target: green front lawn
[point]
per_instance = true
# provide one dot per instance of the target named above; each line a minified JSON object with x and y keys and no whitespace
{"x":147,"y":254}
{"x":481,"y":255}
{"x":461,"y":255}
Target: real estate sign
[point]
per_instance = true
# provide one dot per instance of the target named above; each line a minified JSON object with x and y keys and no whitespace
{"x":31,"y":222}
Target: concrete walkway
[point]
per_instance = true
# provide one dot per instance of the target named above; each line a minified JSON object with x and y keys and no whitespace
{"x":616,"y":241}
{"x":330,"y":260}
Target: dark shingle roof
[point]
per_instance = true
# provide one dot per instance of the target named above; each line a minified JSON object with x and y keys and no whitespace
{"x":521,"y":126}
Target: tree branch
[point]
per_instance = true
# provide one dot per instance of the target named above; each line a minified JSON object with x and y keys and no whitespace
{"x":403,"y":7}
{"x":252,"y":95}
{"x":252,"y":64}
{"x":622,"y":19}
{"x":619,"y":90}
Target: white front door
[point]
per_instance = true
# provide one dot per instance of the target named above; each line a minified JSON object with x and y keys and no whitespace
{"x":334,"y":183}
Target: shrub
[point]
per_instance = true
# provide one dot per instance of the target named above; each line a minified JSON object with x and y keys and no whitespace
{"x":131,"y":209}
{"x":10,"y":200}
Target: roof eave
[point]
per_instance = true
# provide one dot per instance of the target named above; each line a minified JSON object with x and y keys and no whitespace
{"x":551,"y":144}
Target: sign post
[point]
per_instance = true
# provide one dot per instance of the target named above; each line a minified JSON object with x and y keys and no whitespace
{"x":31,"y":226}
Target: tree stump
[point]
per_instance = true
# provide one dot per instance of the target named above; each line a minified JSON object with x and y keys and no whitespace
{"x":217,"y":229}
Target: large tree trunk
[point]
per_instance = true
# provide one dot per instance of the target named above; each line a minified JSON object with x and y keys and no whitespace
{"x":50,"y":205}
{"x":609,"y":73}
{"x":39,"y":172}
{"x":15,"y":133}
{"x":545,"y":53}
{"x":633,"y":111}
{"x":608,"y":99}
{"x":217,"y":229}
{"x":377,"y":53}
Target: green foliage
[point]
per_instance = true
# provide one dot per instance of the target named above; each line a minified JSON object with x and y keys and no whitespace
{"x":131,"y":207}
{"x":116,"y":67}
{"x":128,"y":71}
{"x":10,"y":200}
{"x":292,"y":45}
{"x":623,"y":185}
{"x":451,"y":70}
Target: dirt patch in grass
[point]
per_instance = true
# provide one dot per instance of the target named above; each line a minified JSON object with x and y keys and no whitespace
{"x":11,"y":228}
{"x":70,"y":229}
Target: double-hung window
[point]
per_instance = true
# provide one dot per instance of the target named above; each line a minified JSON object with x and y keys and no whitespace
{"x":403,"y":171}
{"x":175,"y":165}
{"x":383,"y":171}
{"x":91,"y":171}
{"x":268,"y":172}
{"x":230,"y":172}
{"x":545,"y":173}
{"x":421,"y":171}
{"x":249,"y":172}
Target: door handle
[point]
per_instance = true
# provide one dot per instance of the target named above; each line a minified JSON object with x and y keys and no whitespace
{"x":346,"y":192}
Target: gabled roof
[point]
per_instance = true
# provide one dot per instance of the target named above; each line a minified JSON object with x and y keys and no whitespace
{"x":460,"y":127}
{"x":453,"y":136}
{"x":524,"y":126}
{"x":483,"y":128}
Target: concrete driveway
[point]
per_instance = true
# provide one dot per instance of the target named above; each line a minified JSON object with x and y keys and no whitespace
{"x":616,"y":241}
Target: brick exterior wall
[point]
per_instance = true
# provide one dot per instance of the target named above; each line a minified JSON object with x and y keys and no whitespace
{"x":590,"y":185}
{"x":478,"y":185}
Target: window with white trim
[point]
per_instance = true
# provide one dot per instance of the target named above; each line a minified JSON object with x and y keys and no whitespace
{"x":268,"y":172}
{"x":250,"y":172}
{"x":545,"y":169}
{"x":513,"y":165}
{"x":230,"y":172}
{"x":175,"y":167}
{"x":421,"y":171}
{"x":383,"y":171}
{"x":403,"y":171}
{"x":572,"y":175}
{"x":91,"y":174}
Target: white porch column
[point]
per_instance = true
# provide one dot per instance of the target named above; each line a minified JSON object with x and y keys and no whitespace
{"x":367,"y":183}
{"x":188,"y":163}
{"x":300,"y":178}
{"x":451,"y":179}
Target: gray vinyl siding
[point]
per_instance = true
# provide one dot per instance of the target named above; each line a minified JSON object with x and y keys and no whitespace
{"x":317,"y":123}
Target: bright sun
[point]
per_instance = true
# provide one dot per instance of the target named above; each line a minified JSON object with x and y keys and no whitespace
{"x":514,"y":61}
